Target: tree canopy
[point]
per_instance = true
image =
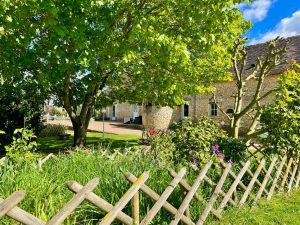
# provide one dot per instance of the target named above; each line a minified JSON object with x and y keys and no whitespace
{"x":86,"y":50}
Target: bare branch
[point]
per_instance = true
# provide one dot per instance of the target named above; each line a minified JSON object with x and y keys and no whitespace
{"x":219,"y":107}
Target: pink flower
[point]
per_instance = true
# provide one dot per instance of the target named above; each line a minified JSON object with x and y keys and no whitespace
{"x":221,"y":155}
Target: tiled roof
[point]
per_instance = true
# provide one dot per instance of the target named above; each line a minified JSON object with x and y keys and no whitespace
{"x":260,"y":50}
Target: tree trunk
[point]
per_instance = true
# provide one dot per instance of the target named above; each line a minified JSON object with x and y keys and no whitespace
{"x":80,"y":129}
{"x":235,"y":126}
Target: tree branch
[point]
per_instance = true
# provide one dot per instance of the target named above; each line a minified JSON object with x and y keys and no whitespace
{"x":219,"y":107}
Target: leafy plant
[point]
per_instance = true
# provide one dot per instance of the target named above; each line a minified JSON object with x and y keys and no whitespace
{"x":21,"y":104}
{"x":193,"y":140}
{"x":281,"y":119}
{"x":52,"y":130}
{"x":232,"y":148}
{"x":162,"y":147}
{"x":22,"y":146}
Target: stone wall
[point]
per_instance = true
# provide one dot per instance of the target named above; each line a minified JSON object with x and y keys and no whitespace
{"x":224,"y":95}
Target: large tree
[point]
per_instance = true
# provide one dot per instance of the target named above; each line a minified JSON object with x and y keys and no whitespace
{"x":130,"y":50}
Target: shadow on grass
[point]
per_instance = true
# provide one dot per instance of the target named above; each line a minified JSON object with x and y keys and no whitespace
{"x":54,"y":145}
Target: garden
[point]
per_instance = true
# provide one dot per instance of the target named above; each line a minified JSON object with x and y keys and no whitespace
{"x":87,"y":55}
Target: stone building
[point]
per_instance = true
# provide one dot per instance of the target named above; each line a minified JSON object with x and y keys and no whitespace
{"x":203,"y":105}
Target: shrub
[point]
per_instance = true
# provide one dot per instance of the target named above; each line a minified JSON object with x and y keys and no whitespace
{"x":52,"y":130}
{"x":162,"y":148}
{"x":186,"y":142}
{"x":233,"y":149}
{"x":193,"y":140}
{"x":281,"y":120}
{"x":20,"y":149}
{"x":21,"y":104}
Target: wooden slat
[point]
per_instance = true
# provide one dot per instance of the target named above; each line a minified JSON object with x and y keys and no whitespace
{"x":286,"y":174}
{"x":163,"y":198}
{"x":265,"y":181}
{"x":110,"y":217}
{"x":183,"y":194}
{"x":297,"y":180}
{"x":136,"y":209}
{"x":10,"y":202}
{"x":190,"y":194}
{"x":274,"y":184}
{"x":22,"y":216}
{"x":252,"y":182}
{"x":234,"y":176}
{"x":292,"y":178}
{"x":152,"y":194}
{"x":212,"y":184}
{"x":74,"y":202}
{"x":251,"y":174}
{"x":214,"y":197}
{"x":233,"y":187}
{"x":42,"y":161}
{"x":290,"y":172}
{"x":187,"y":187}
{"x":100,"y":203}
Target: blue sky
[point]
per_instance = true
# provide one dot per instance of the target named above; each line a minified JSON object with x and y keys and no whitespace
{"x":272,"y":18}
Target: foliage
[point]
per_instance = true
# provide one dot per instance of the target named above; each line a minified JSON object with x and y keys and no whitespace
{"x":233,"y":149}
{"x":105,"y":50}
{"x":20,"y":149}
{"x":52,"y":130}
{"x":193,"y":140}
{"x":21,"y":105}
{"x":162,"y":146}
{"x":191,"y":143}
{"x":281,"y":119}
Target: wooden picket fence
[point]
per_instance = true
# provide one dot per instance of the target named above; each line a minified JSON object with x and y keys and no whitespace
{"x":249,"y":184}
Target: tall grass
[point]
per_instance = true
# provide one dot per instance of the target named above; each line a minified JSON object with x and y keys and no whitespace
{"x":46,"y":192}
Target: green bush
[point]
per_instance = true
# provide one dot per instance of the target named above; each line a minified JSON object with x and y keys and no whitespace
{"x":186,"y":142}
{"x":233,"y":149}
{"x":22,"y":146}
{"x":162,"y":148}
{"x":52,"y":130}
{"x":281,"y":119}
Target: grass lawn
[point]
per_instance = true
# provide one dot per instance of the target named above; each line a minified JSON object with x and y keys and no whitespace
{"x":53,"y":144}
{"x":282,"y":209}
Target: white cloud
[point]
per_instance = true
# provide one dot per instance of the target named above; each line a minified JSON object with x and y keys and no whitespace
{"x":257,"y":11}
{"x":287,"y":27}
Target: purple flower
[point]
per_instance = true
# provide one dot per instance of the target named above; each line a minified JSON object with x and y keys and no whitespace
{"x":230,"y":162}
{"x":215,"y":147}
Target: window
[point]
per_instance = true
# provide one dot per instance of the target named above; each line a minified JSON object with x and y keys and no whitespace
{"x":213,"y":109}
{"x":230,"y":111}
{"x":185,"y":110}
{"x":114,"y":114}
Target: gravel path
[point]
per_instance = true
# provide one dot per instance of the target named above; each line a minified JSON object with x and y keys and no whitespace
{"x":112,"y":127}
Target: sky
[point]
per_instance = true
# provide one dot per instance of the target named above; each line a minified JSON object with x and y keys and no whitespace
{"x":272,"y":18}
